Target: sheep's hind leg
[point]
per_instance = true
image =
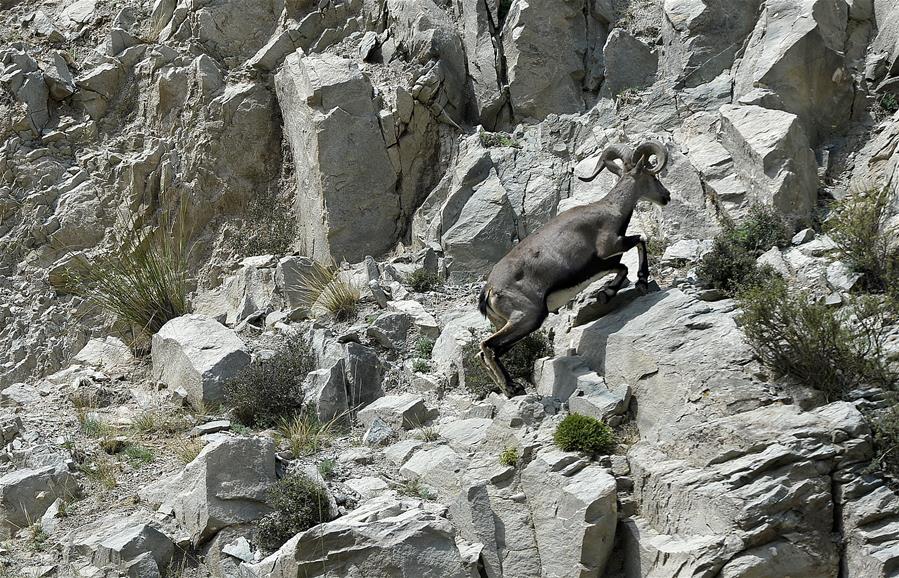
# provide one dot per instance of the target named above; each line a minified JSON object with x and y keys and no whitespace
{"x":517,"y":328}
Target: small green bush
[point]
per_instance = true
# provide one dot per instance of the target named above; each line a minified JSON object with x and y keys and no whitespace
{"x":424,"y":347}
{"x":299,"y":503}
{"x":421,"y":366}
{"x":271,"y":389}
{"x":415,"y":489}
{"x":509,"y":457}
{"x":326,"y":468}
{"x":828,"y":349}
{"x":858,"y":226}
{"x":497,"y":139}
{"x":519,"y":362}
{"x":731,"y":264}
{"x":422,"y":281}
{"x":138,"y":455}
{"x":888,"y":103}
{"x":582,"y":433}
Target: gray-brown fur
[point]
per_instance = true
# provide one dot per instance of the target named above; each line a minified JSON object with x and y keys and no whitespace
{"x":570,"y":250}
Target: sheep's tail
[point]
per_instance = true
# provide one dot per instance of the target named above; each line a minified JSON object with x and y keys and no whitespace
{"x":482,"y":300}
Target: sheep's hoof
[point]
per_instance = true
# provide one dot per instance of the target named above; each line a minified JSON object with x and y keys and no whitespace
{"x":642,"y":286}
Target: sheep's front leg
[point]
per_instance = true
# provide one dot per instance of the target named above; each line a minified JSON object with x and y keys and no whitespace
{"x":628,"y":243}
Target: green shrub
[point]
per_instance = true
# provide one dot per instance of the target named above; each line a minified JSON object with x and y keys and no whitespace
{"x":731,"y":264}
{"x":858,"y":226}
{"x":415,"y":489}
{"x":138,"y":455}
{"x":828,"y":349}
{"x":497,"y":139}
{"x":888,"y":103}
{"x":422,"y":281}
{"x":509,"y":457}
{"x":322,"y":288}
{"x":271,"y":389}
{"x":326,"y":468}
{"x":582,"y":433}
{"x":299,"y":503}
{"x":143,"y":279}
{"x":424,"y":347}
{"x":519,"y":362}
{"x":421,"y":366}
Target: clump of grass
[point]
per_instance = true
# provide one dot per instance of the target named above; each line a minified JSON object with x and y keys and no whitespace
{"x":271,"y":389}
{"x":160,"y":421}
{"x":322,"y":288}
{"x":267,"y":225}
{"x":415,"y":489}
{"x":299,"y":503}
{"x":103,"y":471}
{"x":306,"y":435}
{"x":497,"y":139}
{"x":188,"y":450}
{"x":138,"y":455}
{"x":509,"y":457}
{"x":326,"y":468}
{"x":37,"y":537}
{"x":94,"y":427}
{"x":830,"y":350}
{"x":583,"y":433}
{"x":422,"y":280}
{"x":421,"y":366}
{"x":858,"y":226}
{"x":731,"y":264}
{"x":424,"y":347}
{"x":428,"y":434}
{"x":143,"y":279}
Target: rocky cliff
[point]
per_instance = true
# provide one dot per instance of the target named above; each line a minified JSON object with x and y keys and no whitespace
{"x":398,"y":136}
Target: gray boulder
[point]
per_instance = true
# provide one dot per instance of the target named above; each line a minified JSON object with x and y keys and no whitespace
{"x":384,"y":536}
{"x":771,"y":153}
{"x":397,"y":411}
{"x":348,"y":206}
{"x":796,"y":50}
{"x":116,"y":542}
{"x":389,"y":330}
{"x":198,"y":354}
{"x":26,"y":494}
{"x":225,"y":485}
{"x":630,"y":64}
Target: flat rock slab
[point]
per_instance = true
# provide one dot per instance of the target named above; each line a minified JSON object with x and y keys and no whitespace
{"x":397,"y":411}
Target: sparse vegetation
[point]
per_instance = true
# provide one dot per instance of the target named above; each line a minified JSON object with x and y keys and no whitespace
{"x":326,"y":468}
{"x":422,"y":280}
{"x":143,"y":279}
{"x":428,"y":434}
{"x":188,"y":450}
{"x":299,"y":503}
{"x":424,"y":347}
{"x":509,"y":457}
{"x":37,"y":537}
{"x":103,"y":471}
{"x":858,"y":226}
{"x":497,"y":139}
{"x":888,"y":103}
{"x":582,"y":433}
{"x":821,"y":347}
{"x":94,"y":427}
{"x":415,"y":489}
{"x":138,"y":455}
{"x":323,"y":288}
{"x":169,"y":421}
{"x":267,"y":227}
{"x":731,"y":264}
{"x":306,"y":435}
{"x":421,"y":366}
{"x":271,"y":389}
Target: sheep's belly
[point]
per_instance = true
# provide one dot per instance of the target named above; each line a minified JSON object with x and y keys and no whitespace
{"x":558,"y":299}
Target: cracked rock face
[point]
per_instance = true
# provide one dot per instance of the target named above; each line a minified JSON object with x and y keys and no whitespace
{"x":399,"y":139}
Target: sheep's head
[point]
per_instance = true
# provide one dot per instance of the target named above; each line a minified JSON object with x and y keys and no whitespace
{"x":636,"y":164}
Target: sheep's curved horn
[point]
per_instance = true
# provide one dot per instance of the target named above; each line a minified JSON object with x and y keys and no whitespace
{"x":645,"y":150}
